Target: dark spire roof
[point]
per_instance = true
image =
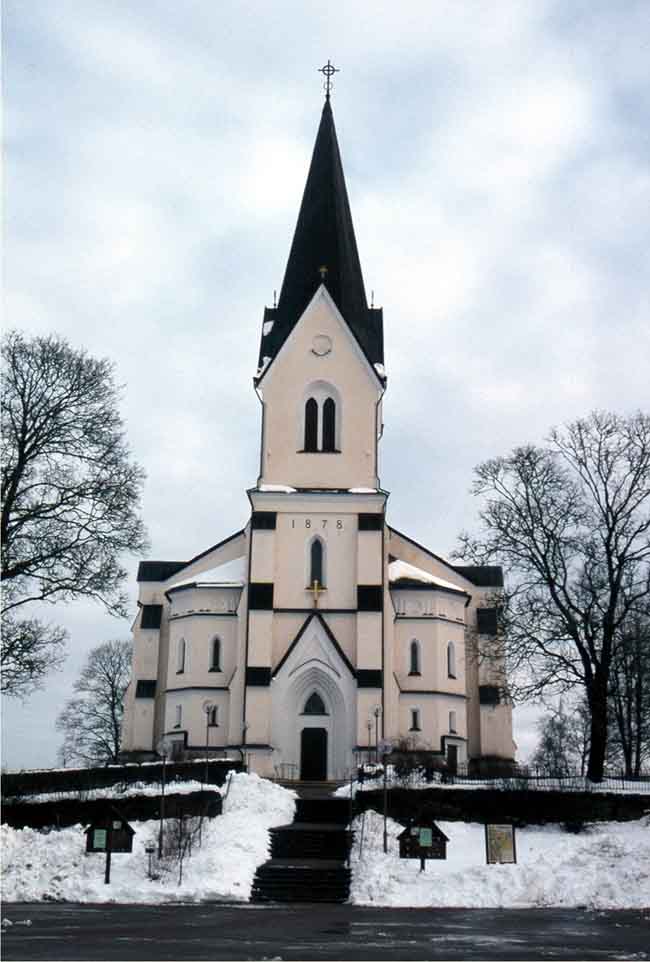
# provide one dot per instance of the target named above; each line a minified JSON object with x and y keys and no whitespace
{"x":324,"y":238}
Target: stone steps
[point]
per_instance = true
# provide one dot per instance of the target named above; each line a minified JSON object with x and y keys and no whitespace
{"x":308,"y":856}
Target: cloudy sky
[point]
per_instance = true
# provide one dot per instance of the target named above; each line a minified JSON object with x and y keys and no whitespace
{"x":496,"y":156}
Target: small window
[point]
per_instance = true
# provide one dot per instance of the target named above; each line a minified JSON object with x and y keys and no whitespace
{"x":180,"y":657}
{"x":414,"y":662}
{"x":179,"y":716}
{"x":314,"y":705}
{"x":452,"y":722}
{"x":213,"y":716}
{"x":215,"y":658}
{"x":311,"y":425}
{"x":316,"y":562}
{"x":329,"y":425}
{"x":451,"y":660}
{"x":415,"y":720}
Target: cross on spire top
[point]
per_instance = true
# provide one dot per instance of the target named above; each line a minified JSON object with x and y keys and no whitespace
{"x":328,"y":72}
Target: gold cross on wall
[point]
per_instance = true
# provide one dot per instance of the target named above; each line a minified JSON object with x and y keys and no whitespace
{"x":316,"y":589}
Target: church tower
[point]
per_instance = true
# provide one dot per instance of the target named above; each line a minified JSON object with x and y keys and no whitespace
{"x":318,"y":630}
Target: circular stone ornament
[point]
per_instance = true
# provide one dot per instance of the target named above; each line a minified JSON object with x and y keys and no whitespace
{"x":321,"y":345}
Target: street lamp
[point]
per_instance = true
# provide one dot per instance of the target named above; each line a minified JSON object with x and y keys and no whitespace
{"x":208,"y":708}
{"x":377,"y":713}
{"x":369,"y":727}
{"x":163,"y":748}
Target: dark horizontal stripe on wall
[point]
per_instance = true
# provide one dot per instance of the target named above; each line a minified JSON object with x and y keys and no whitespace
{"x":369,"y":677}
{"x":260,"y":677}
{"x":169,"y":691}
{"x":489,"y":695}
{"x":263,"y":520}
{"x":260,"y":596}
{"x":371,"y":522}
{"x":487,"y":621}
{"x":369,"y":597}
{"x":151,"y":616}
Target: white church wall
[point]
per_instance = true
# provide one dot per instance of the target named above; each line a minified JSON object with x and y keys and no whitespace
{"x":283,"y":390}
{"x":369,"y":639}
{"x":260,"y":638}
{"x":263,"y":563}
{"x":369,"y":558}
{"x":434,"y":711}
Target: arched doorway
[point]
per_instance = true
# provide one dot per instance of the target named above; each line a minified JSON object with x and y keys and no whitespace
{"x":313,"y":754}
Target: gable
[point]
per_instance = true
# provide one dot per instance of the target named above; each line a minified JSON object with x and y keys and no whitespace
{"x":314,"y":644}
{"x":320,"y":319}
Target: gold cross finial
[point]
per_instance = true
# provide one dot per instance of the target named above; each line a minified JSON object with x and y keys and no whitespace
{"x":328,"y":71}
{"x":323,"y":271}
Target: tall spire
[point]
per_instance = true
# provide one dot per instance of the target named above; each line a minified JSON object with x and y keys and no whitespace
{"x":324,"y":251}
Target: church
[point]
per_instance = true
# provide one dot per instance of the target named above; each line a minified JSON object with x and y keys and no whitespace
{"x":318,"y":630}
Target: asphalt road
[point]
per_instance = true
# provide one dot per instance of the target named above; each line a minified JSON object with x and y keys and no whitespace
{"x":210,"y":931}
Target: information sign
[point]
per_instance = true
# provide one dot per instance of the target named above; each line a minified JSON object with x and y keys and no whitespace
{"x":500,"y":846}
{"x":426,"y":838}
{"x":99,"y":838}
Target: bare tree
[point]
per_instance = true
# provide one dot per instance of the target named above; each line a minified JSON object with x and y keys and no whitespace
{"x":563,"y":746}
{"x":570,"y":523}
{"x":91,"y":721}
{"x":629,"y":694}
{"x":70,"y":495}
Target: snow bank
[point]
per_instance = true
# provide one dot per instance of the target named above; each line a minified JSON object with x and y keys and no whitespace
{"x":44,"y":866}
{"x":606,"y":866}
{"x":116,"y":792}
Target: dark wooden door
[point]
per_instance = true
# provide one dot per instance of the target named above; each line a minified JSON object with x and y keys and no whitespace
{"x":452,"y":759}
{"x":313,"y":754}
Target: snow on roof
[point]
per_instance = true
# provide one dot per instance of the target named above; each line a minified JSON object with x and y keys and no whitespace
{"x":229,"y":574}
{"x":362,"y":490}
{"x":401,"y":569}
{"x":282,"y":488}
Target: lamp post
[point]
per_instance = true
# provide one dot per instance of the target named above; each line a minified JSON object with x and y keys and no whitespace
{"x":377,"y":713}
{"x":243,"y":738}
{"x":163,"y":749}
{"x":208,"y":708}
{"x":369,"y":727}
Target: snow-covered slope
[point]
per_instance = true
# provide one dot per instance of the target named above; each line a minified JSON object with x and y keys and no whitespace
{"x":606,"y":866}
{"x":40,"y":866}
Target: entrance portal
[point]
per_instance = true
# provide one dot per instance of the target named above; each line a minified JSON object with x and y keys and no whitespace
{"x":313,"y":754}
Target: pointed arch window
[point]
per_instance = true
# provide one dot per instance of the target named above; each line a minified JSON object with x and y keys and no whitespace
{"x":451,"y":660}
{"x":329,"y":425}
{"x":213,"y":717}
{"x":314,"y":705}
{"x":311,"y":425}
{"x":414,"y":658}
{"x":181,"y":653}
{"x":215,"y":655}
{"x":316,"y":567}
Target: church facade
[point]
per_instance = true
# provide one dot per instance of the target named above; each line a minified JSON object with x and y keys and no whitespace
{"x":318,"y":630}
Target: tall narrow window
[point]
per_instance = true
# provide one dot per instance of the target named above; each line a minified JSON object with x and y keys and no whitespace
{"x":180,"y":657}
{"x":215,"y":660}
{"x":179,"y":716}
{"x":415,"y":720}
{"x":414,"y":662}
{"x":451,"y":660}
{"x":213,"y":716}
{"x":329,"y":425}
{"x":316,"y":562}
{"x":452,"y":722}
{"x":311,"y":425}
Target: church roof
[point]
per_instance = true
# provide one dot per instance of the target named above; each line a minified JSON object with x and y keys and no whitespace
{"x":324,"y":250}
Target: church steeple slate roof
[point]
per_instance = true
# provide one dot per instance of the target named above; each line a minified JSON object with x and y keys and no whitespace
{"x":324,"y":250}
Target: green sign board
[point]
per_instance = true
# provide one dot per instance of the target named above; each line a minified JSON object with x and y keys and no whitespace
{"x":99,"y":838}
{"x":426,"y":838}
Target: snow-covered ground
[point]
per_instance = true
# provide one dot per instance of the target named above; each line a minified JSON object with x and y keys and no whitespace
{"x":606,"y":866}
{"x":115,"y":792}
{"x":416,"y":779}
{"x":39,"y":866}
